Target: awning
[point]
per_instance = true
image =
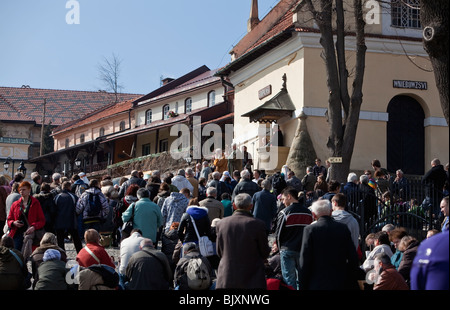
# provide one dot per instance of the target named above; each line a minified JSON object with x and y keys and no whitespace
{"x":271,"y":111}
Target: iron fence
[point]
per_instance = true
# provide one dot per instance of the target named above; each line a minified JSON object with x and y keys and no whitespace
{"x":412,"y":205}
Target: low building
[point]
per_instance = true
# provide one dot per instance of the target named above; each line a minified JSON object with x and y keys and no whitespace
{"x":23,"y":111}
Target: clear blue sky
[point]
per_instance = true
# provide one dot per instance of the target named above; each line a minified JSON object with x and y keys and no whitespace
{"x":152,"y":38}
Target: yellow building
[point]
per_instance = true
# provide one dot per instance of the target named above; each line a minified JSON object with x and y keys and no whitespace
{"x":401,"y":121}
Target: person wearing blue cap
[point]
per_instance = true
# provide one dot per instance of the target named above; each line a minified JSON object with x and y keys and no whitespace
{"x":52,"y":272}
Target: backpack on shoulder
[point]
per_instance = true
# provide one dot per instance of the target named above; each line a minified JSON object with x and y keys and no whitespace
{"x":198,"y":275}
{"x":109,"y":275}
{"x":94,"y":205}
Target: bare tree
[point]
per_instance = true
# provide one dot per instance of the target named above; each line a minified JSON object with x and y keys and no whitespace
{"x":343,"y":108}
{"x":109,"y":73}
{"x":434,"y":20}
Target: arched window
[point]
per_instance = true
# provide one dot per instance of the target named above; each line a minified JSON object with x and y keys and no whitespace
{"x":66,"y":143}
{"x":188,"y":105}
{"x":122,"y":126}
{"x":166,"y":111}
{"x":82,"y":138}
{"x":148,"y":117}
{"x":211,"y":98}
{"x":101,"y":132}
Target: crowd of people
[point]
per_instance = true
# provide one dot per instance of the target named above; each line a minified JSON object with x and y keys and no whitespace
{"x":211,"y":227}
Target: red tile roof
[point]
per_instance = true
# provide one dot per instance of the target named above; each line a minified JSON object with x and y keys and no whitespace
{"x":63,"y":106}
{"x":97,"y":115}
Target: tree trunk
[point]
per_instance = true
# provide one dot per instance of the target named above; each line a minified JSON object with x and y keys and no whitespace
{"x":434,"y":20}
{"x":343,"y":110}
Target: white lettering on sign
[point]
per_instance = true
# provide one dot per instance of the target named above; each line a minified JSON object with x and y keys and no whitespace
{"x":410,"y":84}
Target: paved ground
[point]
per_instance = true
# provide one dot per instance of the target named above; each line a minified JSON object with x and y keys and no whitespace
{"x":72,"y":253}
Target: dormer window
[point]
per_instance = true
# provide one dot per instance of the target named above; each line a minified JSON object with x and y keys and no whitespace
{"x":166,"y":111}
{"x":211,"y":98}
{"x":148,"y":117}
{"x":188,"y":105}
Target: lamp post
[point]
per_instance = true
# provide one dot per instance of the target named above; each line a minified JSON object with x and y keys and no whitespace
{"x":188,"y":159}
{"x":6,"y":165}
{"x":78,"y":162}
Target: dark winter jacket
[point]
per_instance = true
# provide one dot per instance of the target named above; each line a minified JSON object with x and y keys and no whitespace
{"x":65,"y":215}
{"x":186,"y":231}
{"x":290,"y":224}
{"x":48,"y":207}
{"x":245,"y":186}
{"x":12,"y":272}
{"x":436,"y":176}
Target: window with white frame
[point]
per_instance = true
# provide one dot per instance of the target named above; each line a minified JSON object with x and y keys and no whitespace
{"x":166,"y":111}
{"x":148,"y":117}
{"x":188,"y":105}
{"x":82,"y":138}
{"x":211,"y":98}
{"x":101,"y":132}
{"x":405,"y":14}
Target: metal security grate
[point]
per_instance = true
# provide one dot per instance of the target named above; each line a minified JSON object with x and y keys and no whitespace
{"x":405,"y":13}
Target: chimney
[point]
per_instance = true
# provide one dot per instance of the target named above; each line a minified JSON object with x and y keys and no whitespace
{"x":165,"y":81}
{"x":254,"y":16}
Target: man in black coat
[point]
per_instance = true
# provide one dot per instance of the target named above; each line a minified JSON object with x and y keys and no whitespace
{"x":66,"y":217}
{"x":435,"y":179}
{"x":245,"y":185}
{"x":265,"y":205}
{"x":328,"y":259}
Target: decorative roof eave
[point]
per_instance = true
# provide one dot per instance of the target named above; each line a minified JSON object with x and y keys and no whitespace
{"x":271,"y":111}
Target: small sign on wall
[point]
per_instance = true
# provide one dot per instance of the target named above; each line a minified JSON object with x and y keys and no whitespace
{"x":266,"y":91}
{"x":410,"y":84}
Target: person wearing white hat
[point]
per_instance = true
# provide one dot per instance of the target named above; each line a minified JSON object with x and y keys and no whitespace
{"x":83,"y":177}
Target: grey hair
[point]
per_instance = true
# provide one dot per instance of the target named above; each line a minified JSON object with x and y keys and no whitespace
{"x":383,"y":258}
{"x":142,"y":193}
{"x":321,"y":207}
{"x":216,"y":175}
{"x":364,"y":179}
{"x":146,"y":242}
{"x":245,"y":174}
{"x":56,"y":176}
{"x":211,"y":191}
{"x":189,"y":171}
{"x":266,"y":184}
{"x":352,"y":177}
{"x":242,"y":201}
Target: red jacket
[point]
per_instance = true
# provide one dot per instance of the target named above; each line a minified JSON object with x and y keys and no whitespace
{"x":85,"y":259}
{"x":35,"y":217}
